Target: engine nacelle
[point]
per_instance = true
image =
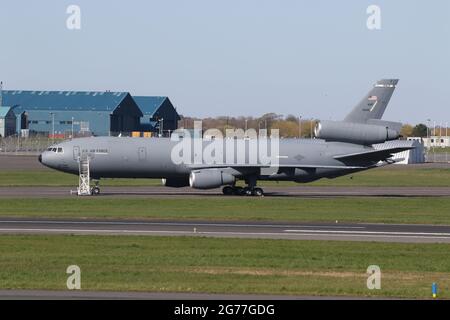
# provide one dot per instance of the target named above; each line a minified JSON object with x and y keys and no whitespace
{"x":210,"y":179}
{"x":358,"y":133}
{"x":176,"y":182}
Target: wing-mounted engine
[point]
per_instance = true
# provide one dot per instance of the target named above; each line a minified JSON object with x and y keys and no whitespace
{"x":210,"y":179}
{"x":358,"y":133}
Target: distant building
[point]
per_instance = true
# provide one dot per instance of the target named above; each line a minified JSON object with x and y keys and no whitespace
{"x":159,"y":114}
{"x":436,"y":142}
{"x":61,"y":112}
{"x":420,"y":139}
{"x":7,"y":122}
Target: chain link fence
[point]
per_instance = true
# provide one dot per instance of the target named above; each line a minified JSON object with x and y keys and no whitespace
{"x":438,"y":157}
{"x":35,"y":144}
{"x":32,"y":145}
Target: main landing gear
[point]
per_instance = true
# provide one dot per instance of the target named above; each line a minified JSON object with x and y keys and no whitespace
{"x":250,"y":190}
{"x":240,"y":191}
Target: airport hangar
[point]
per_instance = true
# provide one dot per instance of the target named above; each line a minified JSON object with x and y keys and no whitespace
{"x":7,"y":122}
{"x":158,"y":114}
{"x":89,"y":113}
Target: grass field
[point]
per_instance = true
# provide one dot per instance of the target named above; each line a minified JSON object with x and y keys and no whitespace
{"x":439,"y":150}
{"x":361,"y":209}
{"x":223,"y":265}
{"x":188,"y":264}
{"x":53,"y":178}
{"x":401,"y":176}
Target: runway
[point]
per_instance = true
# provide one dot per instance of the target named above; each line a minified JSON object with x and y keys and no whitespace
{"x":164,"y":296}
{"x":218,"y":229}
{"x":296,"y":191}
{"x":101,"y":295}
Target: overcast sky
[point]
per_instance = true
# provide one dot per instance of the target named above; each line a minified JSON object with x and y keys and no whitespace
{"x":314,"y":59}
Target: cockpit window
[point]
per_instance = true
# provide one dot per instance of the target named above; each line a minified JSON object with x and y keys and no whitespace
{"x":56,"y":150}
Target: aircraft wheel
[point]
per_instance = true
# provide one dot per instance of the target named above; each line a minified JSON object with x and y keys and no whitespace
{"x":238,"y":191}
{"x":247,"y":191}
{"x":228,"y":191}
{"x":95,"y":191}
{"x":258,"y":192}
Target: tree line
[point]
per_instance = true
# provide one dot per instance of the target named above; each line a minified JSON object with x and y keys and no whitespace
{"x":289,"y":126}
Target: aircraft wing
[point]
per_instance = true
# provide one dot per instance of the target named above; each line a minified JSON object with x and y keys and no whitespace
{"x":372,"y":155}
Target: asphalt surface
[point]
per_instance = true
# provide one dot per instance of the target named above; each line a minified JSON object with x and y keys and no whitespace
{"x":104,"y":295}
{"x":251,"y":230}
{"x":296,"y":191}
{"x":20,"y":162}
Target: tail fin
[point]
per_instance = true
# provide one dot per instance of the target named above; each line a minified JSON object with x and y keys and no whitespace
{"x":374,"y":103}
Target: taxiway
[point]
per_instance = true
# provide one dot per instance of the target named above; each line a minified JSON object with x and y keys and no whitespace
{"x":252,"y":230}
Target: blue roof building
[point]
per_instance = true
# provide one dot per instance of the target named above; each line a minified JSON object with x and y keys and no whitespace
{"x":100,"y":113}
{"x":7,"y":122}
{"x":158,"y":114}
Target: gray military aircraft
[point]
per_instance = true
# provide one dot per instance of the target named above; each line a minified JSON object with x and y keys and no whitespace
{"x":339,"y":148}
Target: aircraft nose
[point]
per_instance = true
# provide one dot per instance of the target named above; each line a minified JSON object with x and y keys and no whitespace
{"x":40,"y":158}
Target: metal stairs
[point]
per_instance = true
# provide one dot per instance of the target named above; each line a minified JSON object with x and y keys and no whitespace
{"x":84,"y":186}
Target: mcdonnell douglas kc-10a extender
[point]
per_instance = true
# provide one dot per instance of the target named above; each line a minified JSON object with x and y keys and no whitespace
{"x":339,"y":148}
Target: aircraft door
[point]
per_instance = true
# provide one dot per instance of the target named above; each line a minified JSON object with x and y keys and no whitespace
{"x":76,"y":153}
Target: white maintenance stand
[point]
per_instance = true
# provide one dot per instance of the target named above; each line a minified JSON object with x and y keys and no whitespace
{"x":84,"y":185}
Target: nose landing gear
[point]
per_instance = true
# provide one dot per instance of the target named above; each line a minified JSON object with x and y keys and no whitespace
{"x":95,"y":191}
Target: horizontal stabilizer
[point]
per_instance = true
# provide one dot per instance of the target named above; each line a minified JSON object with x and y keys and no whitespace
{"x":372,"y":155}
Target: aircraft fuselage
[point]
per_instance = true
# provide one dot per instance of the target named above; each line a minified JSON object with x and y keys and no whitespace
{"x":301,"y":160}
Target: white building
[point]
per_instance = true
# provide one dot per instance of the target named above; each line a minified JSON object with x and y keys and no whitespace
{"x":435,"y":141}
{"x":416,"y":155}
